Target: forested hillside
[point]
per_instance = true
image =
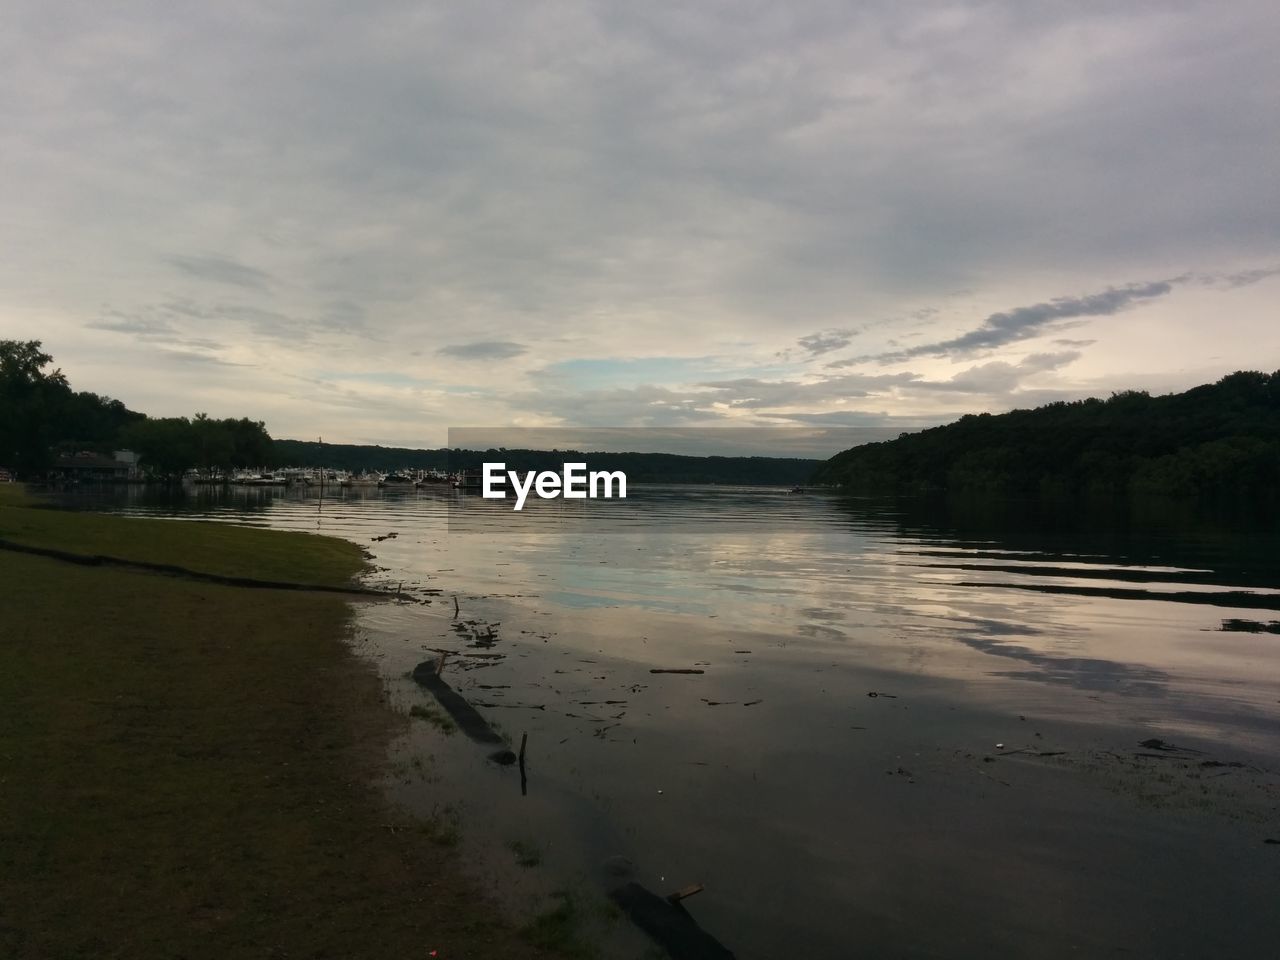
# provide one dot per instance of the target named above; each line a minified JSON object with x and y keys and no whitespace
{"x":1213,"y":440}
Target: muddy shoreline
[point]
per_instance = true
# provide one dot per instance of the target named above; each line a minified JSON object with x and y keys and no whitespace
{"x":1215,"y":798}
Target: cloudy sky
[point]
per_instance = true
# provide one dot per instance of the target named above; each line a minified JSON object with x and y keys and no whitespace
{"x":373,"y":221}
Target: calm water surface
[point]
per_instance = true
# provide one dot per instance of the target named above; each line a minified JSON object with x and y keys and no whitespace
{"x":918,"y":731}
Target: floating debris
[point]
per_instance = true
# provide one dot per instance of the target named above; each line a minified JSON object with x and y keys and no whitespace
{"x":668,"y":923}
{"x":513,"y":706}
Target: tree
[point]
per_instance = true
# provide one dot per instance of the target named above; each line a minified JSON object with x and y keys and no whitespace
{"x":167,"y":447}
{"x":30,"y":401}
{"x":1216,"y":440}
{"x":213,"y":442}
{"x":252,"y":446}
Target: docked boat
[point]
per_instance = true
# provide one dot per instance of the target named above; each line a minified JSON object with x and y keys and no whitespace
{"x":432,"y":477}
{"x":262,"y":480}
{"x":396,"y":480}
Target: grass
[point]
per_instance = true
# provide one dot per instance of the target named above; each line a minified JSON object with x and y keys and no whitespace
{"x":187,"y":770}
{"x":559,"y":928}
{"x":206,"y":547}
{"x":527,"y":854}
{"x":442,"y":827}
{"x":434,"y":716}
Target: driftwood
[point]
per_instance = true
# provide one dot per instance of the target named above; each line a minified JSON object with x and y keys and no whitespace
{"x":464,"y":714}
{"x":524,"y":780}
{"x":669,"y":924}
{"x":684,"y":893}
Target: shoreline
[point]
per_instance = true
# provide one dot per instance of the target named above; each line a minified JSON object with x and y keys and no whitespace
{"x":193,"y":768}
{"x":1047,"y":798}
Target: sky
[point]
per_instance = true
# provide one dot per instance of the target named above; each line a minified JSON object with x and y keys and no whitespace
{"x":372,"y":222}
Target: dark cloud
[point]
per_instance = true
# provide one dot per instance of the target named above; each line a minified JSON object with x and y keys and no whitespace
{"x":141,"y":327}
{"x":267,"y":324}
{"x":816,"y":344}
{"x":222,"y":270}
{"x":483,"y":350}
{"x":152,"y":327}
{"x":190,"y":356}
{"x":1022,"y":323}
{"x":1244,"y":278}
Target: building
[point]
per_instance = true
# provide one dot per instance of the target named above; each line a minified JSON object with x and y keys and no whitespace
{"x":129,"y":459}
{"x":92,"y":467}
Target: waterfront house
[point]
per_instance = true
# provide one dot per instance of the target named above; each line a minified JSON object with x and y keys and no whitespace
{"x":130,"y":460}
{"x":90,"y":467}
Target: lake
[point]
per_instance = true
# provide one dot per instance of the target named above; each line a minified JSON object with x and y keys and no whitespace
{"x":918,"y":729}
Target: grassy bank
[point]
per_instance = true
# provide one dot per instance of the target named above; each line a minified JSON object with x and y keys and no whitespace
{"x":207,"y":547}
{"x":187,"y":770}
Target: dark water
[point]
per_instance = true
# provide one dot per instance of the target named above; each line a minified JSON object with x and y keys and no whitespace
{"x":918,"y":731}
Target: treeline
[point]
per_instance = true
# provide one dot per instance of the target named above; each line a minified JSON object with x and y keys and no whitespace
{"x":639,"y":467}
{"x":1220,"y":439}
{"x":41,"y":418}
{"x":358,"y":458}
{"x":170,"y":446}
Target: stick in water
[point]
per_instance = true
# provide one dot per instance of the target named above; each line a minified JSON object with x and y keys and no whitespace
{"x":524,"y":783}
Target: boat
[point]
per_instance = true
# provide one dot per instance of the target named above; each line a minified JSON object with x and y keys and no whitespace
{"x":432,"y":477}
{"x":261,"y":480}
{"x":396,"y":480}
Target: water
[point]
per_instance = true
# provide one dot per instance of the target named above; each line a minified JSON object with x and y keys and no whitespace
{"x":918,"y":731}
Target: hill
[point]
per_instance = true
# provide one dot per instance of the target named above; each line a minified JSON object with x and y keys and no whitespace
{"x":1220,"y":439}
